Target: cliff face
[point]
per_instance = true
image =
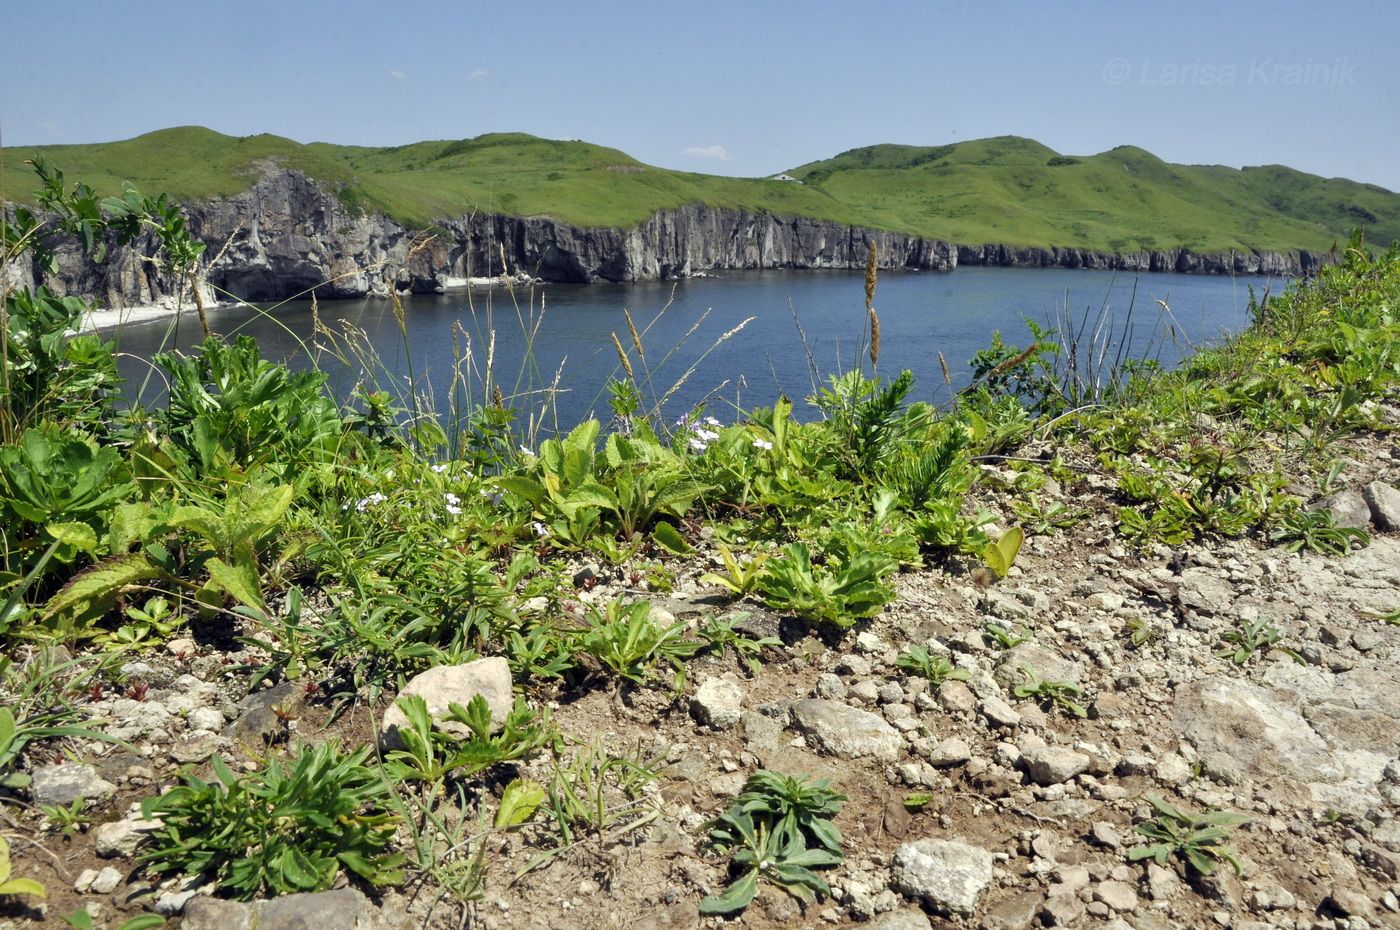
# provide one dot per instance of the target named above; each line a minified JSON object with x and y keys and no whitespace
{"x":288,"y":236}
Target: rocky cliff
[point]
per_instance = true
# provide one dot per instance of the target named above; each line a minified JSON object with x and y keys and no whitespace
{"x":288,"y":236}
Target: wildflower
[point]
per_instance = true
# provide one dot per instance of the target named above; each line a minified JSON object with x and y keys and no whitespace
{"x":540,"y":529}
{"x":453,"y":503}
{"x":365,"y":503}
{"x":763,"y":444}
{"x":706,"y":435}
{"x":439,"y":468}
{"x":526,"y":450}
{"x":453,"y":509}
{"x":696,"y":445}
{"x":711,"y":421}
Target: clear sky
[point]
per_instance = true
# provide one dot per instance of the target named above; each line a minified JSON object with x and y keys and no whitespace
{"x":743,"y":88}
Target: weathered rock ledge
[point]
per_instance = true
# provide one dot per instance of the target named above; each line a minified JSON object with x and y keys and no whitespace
{"x":288,"y":235}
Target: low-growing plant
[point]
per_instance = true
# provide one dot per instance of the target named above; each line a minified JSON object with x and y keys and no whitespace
{"x":1004,"y":638}
{"x":839,"y":594}
{"x":1250,"y":637}
{"x":1140,"y":630}
{"x":629,"y":643}
{"x":429,"y":753}
{"x":284,"y":828}
{"x":936,"y":668}
{"x":1001,"y":554}
{"x":1197,"y":838}
{"x":778,"y":830}
{"x":1315,"y":531}
{"x":741,"y":574}
{"x":1057,"y":695}
{"x":719,"y":633}
{"x":82,"y":920}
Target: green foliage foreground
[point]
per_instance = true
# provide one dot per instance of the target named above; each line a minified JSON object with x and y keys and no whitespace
{"x":248,"y":490}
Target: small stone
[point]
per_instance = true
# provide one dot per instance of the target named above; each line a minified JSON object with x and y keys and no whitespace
{"x":181,"y":646}
{"x":956,"y":697}
{"x":1350,"y":903}
{"x":1105,"y":834}
{"x":718,"y":703}
{"x":830,"y":687}
{"x":947,"y":875}
{"x":205,"y":718}
{"x":106,"y":881}
{"x":171,"y":903}
{"x":1118,"y":895}
{"x":853,"y":665}
{"x":999,"y":713}
{"x":61,"y":785}
{"x":1366,"y":640}
{"x":120,"y":838}
{"x":195,"y":747}
{"x":1162,"y":884}
{"x":1052,"y":765}
{"x":952,"y":751}
{"x":1013,"y":913}
{"x":891,"y":693}
{"x":258,"y":720}
{"x":901,"y":919}
{"x":85,"y":880}
{"x":864,"y":692}
{"x":454,"y":684}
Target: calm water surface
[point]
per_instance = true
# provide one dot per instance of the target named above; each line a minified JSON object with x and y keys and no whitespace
{"x":921,"y":315}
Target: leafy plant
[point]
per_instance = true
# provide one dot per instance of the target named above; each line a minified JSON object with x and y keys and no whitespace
{"x":1250,"y":637}
{"x":839,"y":594}
{"x":8,"y":885}
{"x":719,"y":633}
{"x":741,"y":577}
{"x":1197,"y":838}
{"x":935,"y":668}
{"x":629,"y":642}
{"x":1001,"y":554}
{"x":1314,"y":531}
{"x":779,"y":830}
{"x":282,"y":829}
{"x":1004,"y":638}
{"x":82,"y":920}
{"x":1059,"y":695}
{"x":430,"y":753}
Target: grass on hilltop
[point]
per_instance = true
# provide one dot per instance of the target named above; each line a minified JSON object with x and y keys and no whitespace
{"x":1005,"y":190}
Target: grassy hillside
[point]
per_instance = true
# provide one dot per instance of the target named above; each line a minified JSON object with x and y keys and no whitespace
{"x":1004,"y":189}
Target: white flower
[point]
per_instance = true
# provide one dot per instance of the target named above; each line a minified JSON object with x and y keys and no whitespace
{"x":540,"y":529}
{"x":365,"y":503}
{"x":526,"y":450}
{"x":452,"y":500}
{"x":453,"y":509}
{"x":696,"y":445}
{"x":440,"y":468}
{"x":707,"y":435}
{"x":711,"y":421}
{"x":763,"y":444}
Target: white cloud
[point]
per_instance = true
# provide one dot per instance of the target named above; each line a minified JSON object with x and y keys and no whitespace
{"x":396,"y":74}
{"x":478,"y":74}
{"x":715,"y":152}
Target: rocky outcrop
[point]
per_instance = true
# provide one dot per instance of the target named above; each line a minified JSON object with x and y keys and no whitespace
{"x":289,"y":236}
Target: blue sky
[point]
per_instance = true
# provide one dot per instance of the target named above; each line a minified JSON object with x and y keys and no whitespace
{"x":743,"y":88}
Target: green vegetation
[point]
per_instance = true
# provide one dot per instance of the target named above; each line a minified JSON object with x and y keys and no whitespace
{"x":349,"y":543}
{"x":778,"y":830}
{"x":1197,"y":838}
{"x":1003,"y":190}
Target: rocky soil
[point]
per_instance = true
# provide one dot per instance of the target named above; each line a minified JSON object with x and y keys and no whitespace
{"x":1032,"y":809}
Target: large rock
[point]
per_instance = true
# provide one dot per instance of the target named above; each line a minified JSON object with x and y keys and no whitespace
{"x":846,"y":731}
{"x":345,"y":909}
{"x":946,"y":875}
{"x":1051,"y":765}
{"x":1044,"y":663}
{"x":1243,"y":732}
{"x":61,"y":785}
{"x":1384,"y":502}
{"x":454,"y":684}
{"x":1348,"y":509}
{"x":261,"y":714}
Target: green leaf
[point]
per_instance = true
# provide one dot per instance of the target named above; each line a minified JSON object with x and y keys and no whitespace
{"x":93,"y":591}
{"x":736,"y":897}
{"x":669,"y":538}
{"x":240,"y":581}
{"x":78,"y":535}
{"x":1001,"y":555}
{"x":519,"y":802}
{"x":22,"y":886}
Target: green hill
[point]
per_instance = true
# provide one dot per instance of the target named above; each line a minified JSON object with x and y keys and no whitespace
{"x":1006,"y":189}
